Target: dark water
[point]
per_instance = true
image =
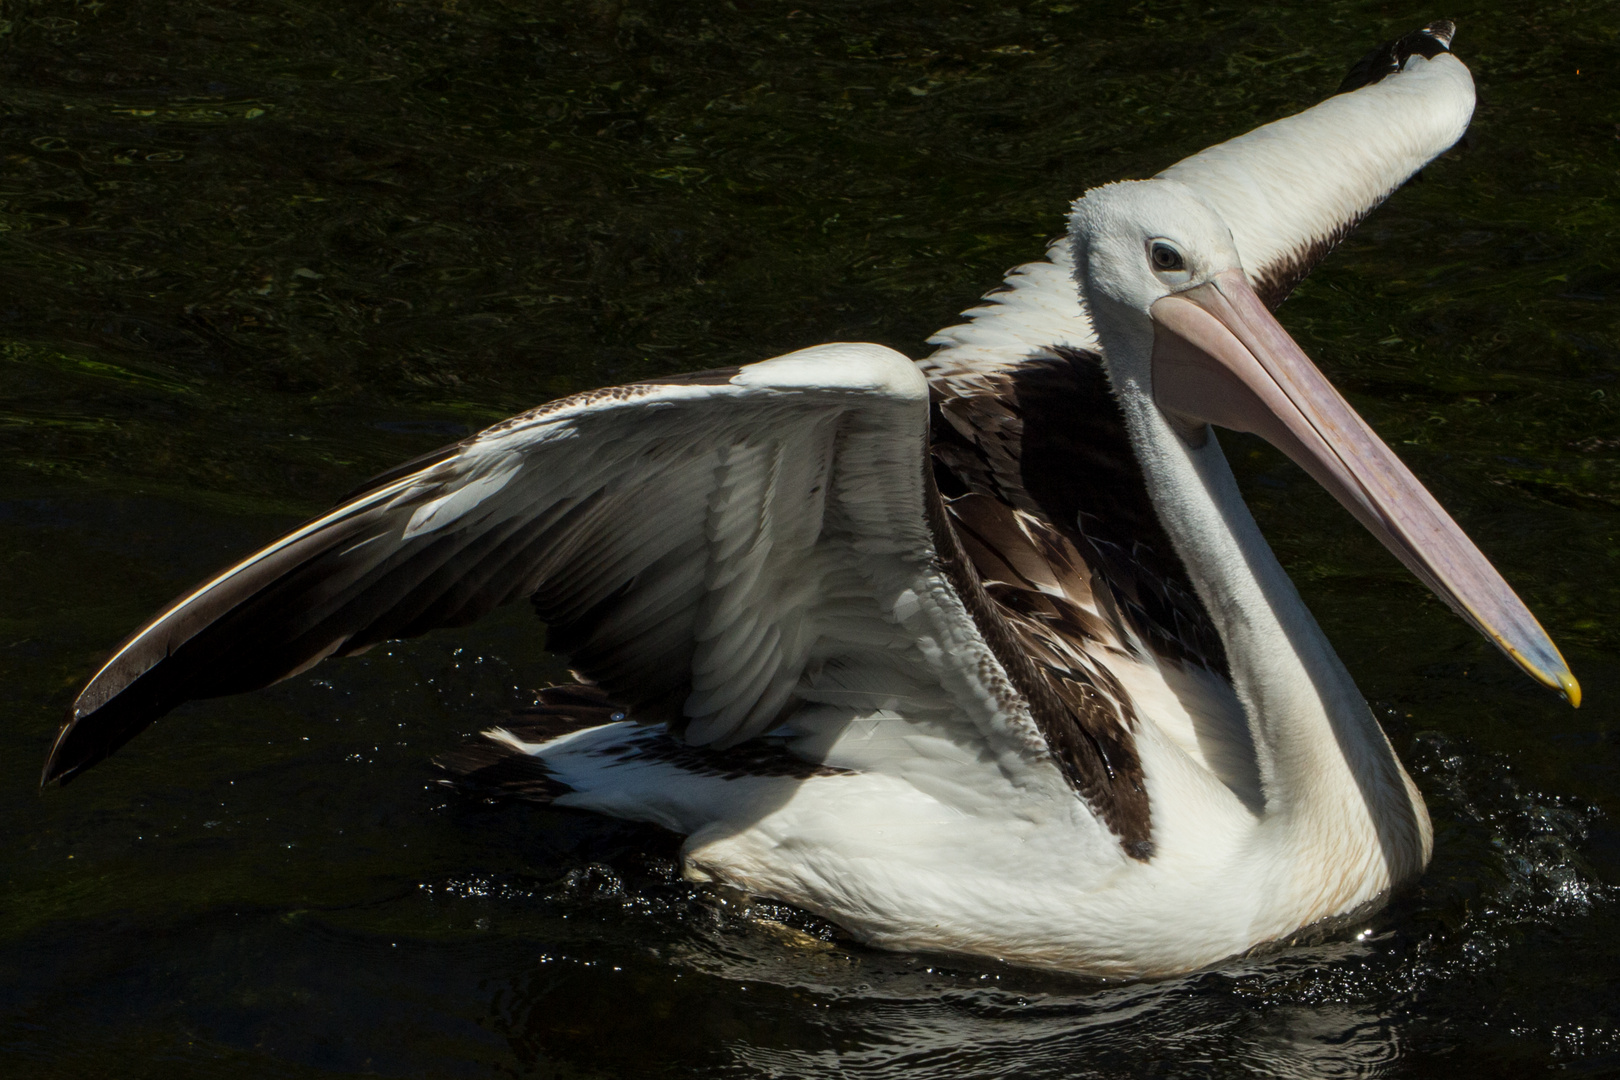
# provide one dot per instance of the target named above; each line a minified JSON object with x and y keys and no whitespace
{"x":254,"y":252}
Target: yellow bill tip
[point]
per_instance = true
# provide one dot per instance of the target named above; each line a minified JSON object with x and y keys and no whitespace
{"x":1571,"y":689}
{"x":1551,"y":672}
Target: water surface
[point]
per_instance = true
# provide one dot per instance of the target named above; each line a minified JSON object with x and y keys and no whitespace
{"x":251,"y":253}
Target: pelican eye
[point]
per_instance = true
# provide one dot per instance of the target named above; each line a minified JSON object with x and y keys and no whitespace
{"x":1166,"y":258}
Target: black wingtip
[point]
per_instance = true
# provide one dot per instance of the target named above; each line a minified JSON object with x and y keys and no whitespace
{"x":80,"y":745}
{"x":98,"y":725}
{"x":1390,"y":57}
{"x":61,"y":764}
{"x":1442,"y":30}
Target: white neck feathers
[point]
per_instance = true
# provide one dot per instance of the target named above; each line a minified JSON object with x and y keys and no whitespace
{"x":1333,"y":787}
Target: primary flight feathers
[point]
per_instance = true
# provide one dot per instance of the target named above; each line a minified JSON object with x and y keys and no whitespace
{"x":675,"y":536}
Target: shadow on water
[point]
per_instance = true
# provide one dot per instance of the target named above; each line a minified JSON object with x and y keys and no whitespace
{"x":253,"y":253}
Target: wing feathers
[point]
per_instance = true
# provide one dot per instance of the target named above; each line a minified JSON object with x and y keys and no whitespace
{"x":1291,"y":190}
{"x":668,"y":534}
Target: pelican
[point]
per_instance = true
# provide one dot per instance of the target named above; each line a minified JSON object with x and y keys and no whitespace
{"x":980,"y":654}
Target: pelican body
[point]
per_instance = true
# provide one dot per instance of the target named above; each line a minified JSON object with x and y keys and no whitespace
{"x":982,"y":653}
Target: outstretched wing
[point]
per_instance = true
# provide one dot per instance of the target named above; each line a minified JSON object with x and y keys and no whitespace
{"x":1027,"y":433}
{"x":717,"y":553}
{"x":1024,"y":414}
{"x":693,"y":546}
{"x":1292,"y":190}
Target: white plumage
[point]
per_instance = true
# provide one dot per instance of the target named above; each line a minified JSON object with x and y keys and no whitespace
{"x":1072,"y":713}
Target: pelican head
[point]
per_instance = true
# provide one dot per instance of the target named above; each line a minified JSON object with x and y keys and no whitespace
{"x":1135,"y":243}
{"x":1185,"y":335}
